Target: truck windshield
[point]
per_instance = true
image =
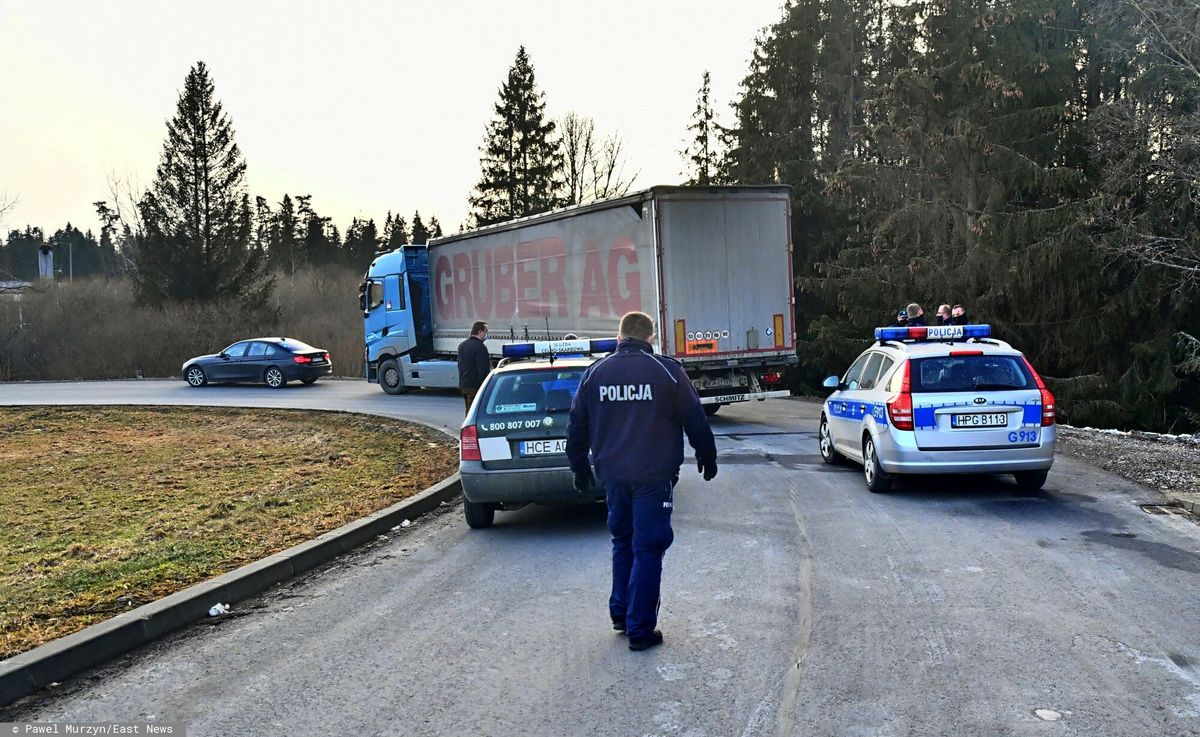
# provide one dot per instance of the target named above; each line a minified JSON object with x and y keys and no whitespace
{"x":537,"y":391}
{"x":970,"y":373}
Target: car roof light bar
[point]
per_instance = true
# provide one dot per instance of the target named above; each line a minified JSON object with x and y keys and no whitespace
{"x":544,"y":348}
{"x":935,"y":332}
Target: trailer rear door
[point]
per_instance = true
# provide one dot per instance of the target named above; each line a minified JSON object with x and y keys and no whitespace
{"x":726,"y":273}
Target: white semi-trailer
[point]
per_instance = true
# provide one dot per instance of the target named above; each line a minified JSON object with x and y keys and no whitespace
{"x":712,"y":265}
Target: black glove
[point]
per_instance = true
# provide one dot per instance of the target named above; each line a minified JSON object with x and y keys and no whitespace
{"x":584,"y":481}
{"x":708,"y":468}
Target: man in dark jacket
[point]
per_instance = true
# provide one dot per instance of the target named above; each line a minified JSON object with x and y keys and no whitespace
{"x":474,"y":363}
{"x":632,"y":410}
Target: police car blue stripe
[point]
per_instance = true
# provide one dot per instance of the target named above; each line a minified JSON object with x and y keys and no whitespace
{"x":858,"y":410}
{"x":925,"y":417}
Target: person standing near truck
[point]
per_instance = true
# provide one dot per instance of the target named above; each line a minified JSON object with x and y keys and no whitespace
{"x":474,"y":363}
{"x":631,"y":411}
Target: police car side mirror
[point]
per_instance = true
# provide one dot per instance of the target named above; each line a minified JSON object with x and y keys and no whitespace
{"x":832,"y":383}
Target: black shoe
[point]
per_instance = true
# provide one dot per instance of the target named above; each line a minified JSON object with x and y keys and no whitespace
{"x":619,"y":625}
{"x":655,"y":638}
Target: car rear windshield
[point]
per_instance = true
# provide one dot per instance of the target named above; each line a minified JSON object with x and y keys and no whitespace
{"x":296,"y":346}
{"x":970,"y":374}
{"x":540,"y":391}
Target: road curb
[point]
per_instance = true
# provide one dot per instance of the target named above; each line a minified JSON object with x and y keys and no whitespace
{"x":55,"y":661}
{"x":1189,"y":504}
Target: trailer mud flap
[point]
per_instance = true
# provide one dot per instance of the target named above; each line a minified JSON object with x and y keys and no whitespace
{"x":732,"y":398}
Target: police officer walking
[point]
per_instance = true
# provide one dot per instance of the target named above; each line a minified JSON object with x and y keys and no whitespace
{"x":632,"y":410}
{"x":474,"y":363}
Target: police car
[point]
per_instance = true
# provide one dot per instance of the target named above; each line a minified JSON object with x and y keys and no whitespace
{"x":512,"y":448}
{"x":944,"y":399}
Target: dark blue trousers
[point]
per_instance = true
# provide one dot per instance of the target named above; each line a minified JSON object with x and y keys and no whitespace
{"x":639,"y":518}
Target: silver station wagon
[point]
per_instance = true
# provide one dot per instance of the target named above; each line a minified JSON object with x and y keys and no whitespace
{"x":513,"y":442}
{"x":936,"y":400}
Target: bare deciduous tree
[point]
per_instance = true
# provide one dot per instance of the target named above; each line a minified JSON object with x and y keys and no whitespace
{"x":595,"y":168}
{"x":579,"y":143}
{"x":7,"y":203}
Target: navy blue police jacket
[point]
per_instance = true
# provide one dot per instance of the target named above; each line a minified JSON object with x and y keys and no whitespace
{"x":632,"y":410}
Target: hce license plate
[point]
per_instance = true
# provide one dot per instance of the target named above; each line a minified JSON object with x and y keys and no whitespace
{"x":542,"y":447}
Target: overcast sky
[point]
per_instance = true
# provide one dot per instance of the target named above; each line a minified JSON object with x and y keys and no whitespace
{"x":367,"y":106}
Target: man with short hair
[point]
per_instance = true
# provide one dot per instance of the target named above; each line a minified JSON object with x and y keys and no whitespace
{"x":632,"y":410}
{"x":474,"y":363}
{"x":916,"y":316}
{"x":958,"y":316}
{"x":943,"y":315}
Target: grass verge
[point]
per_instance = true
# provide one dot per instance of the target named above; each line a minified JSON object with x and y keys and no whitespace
{"x":106,"y":508}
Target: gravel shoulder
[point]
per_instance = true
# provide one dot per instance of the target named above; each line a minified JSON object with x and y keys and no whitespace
{"x":1169,"y":464}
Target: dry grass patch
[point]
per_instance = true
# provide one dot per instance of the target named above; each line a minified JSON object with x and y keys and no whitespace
{"x":106,"y":508}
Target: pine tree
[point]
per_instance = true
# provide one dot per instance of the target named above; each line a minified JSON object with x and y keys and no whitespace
{"x":398,"y":235}
{"x":284,"y":251}
{"x":195,"y":239}
{"x":522,"y":162}
{"x":435,"y":228}
{"x":362,"y":242}
{"x":420,"y":234}
{"x":701,"y":152}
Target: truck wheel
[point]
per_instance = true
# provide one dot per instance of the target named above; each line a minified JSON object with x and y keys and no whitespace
{"x":479,"y":516}
{"x":825,"y":440}
{"x":1031,"y":480}
{"x":878,"y":480}
{"x":391,"y":377}
{"x":275,"y":378}
{"x":711,"y":409}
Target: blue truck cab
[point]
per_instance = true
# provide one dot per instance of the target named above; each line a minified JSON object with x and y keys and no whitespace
{"x":398,"y":325}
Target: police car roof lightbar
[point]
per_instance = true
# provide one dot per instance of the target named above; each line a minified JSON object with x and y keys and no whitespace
{"x":935,"y":332}
{"x":558,"y":348}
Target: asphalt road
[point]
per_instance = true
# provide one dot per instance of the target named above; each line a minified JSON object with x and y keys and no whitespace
{"x":795,"y":603}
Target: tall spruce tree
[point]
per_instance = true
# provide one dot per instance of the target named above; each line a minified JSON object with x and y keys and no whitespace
{"x":285,"y":253}
{"x":522,"y":161}
{"x":435,"y":228}
{"x":398,"y":234}
{"x":195,"y":242}
{"x":701,"y":152}
{"x":420,"y":234}
{"x":361,"y":243}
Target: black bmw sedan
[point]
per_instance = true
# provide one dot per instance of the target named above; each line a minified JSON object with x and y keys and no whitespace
{"x":273,"y":361}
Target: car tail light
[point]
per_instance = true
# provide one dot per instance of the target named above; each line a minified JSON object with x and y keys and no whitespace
{"x":302,"y":359}
{"x":900,"y":407}
{"x":772,"y":378}
{"x":468,"y":446}
{"x":1048,"y":411}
